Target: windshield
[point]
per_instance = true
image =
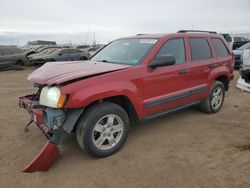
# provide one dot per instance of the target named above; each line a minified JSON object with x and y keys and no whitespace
{"x":125,"y":51}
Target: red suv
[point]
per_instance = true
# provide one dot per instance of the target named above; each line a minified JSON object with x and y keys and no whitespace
{"x":133,"y":78}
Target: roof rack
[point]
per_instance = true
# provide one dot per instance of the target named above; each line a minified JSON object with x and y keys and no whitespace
{"x":196,"y":31}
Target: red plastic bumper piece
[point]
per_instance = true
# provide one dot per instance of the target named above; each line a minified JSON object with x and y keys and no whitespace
{"x":44,"y":159}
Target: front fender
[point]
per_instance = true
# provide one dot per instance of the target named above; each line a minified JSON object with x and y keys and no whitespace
{"x":90,"y":94}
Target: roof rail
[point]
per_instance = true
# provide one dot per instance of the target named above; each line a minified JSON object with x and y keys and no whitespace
{"x":196,"y":31}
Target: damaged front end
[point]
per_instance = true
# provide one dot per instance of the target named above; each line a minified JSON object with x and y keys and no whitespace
{"x":50,"y":121}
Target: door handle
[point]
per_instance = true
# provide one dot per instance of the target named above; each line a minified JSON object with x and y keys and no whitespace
{"x":183,"y":71}
{"x":212,"y":66}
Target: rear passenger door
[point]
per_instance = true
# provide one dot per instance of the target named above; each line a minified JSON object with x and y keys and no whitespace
{"x":75,"y":55}
{"x":71,"y":55}
{"x":63,"y":55}
{"x":201,"y":64}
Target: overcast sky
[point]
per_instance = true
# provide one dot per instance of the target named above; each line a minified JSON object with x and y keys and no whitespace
{"x":110,"y":19}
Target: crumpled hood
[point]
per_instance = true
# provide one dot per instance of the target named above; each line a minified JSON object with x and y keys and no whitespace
{"x":60,"y":72}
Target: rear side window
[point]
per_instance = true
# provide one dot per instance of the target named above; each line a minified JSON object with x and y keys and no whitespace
{"x":220,"y":48}
{"x":200,"y":49}
{"x":174,"y":47}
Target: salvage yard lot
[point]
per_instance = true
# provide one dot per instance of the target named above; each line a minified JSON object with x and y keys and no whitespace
{"x":184,"y":149}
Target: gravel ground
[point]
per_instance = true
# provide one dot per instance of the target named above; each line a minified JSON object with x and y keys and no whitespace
{"x":184,"y":149}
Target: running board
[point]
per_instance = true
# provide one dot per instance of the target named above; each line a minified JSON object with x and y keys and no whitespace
{"x":172,"y":110}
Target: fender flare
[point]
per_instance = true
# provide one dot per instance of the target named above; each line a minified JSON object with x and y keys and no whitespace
{"x":91,"y":94}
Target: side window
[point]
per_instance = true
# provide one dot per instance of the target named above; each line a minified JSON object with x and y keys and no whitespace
{"x":63,"y":52}
{"x":176,"y":48}
{"x":69,"y":51}
{"x":75,"y":51}
{"x":220,"y":48}
{"x":6,"y":51}
{"x":200,"y":49}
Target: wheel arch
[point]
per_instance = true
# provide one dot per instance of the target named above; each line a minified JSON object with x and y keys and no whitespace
{"x":224,"y":80}
{"x":120,"y":100}
{"x":20,"y":62}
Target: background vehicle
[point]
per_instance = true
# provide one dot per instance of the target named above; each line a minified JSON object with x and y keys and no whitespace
{"x":244,"y":81}
{"x":235,"y":42}
{"x":93,"y":50}
{"x":65,"y":54}
{"x":40,"y":50}
{"x":11,"y":56}
{"x":42,"y":53}
{"x":239,"y":54}
{"x":131,"y":79}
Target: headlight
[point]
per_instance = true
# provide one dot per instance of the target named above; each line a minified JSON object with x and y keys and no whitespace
{"x":52,"y":97}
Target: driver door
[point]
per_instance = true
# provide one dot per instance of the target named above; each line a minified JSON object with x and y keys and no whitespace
{"x":166,"y":87}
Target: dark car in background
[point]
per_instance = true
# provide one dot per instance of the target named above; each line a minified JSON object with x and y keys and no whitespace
{"x":11,"y":56}
{"x":239,"y":53}
{"x":65,"y":54}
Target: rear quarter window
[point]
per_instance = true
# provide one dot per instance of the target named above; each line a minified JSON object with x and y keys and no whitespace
{"x":200,"y":49}
{"x":220,"y":48}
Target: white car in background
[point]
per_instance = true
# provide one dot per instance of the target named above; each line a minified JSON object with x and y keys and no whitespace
{"x":244,"y":80}
{"x":239,"y":54}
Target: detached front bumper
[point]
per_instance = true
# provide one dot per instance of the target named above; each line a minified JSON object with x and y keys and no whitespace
{"x":49,"y":121}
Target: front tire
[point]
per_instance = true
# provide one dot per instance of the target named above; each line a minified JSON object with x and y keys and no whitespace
{"x":103,"y":129}
{"x":215,"y":99}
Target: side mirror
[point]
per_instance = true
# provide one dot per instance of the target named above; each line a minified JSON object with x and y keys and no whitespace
{"x":161,"y":61}
{"x":60,"y":54}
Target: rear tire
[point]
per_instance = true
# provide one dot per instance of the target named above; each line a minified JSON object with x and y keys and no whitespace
{"x":215,"y":99}
{"x":103,"y":129}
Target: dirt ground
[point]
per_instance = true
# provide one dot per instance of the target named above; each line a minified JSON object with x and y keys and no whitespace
{"x":184,"y":149}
